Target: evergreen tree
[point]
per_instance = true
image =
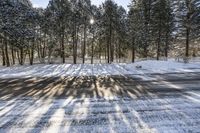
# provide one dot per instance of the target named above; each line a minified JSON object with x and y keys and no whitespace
{"x":187,"y":21}
{"x":161,"y":25}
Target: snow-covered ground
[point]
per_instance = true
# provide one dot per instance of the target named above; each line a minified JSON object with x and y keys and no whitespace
{"x":149,"y":66}
{"x":157,"y":115}
{"x":158,"y":107}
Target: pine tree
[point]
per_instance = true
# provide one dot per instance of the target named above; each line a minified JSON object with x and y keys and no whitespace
{"x":109,"y":17}
{"x":187,"y":21}
{"x":161,"y":25}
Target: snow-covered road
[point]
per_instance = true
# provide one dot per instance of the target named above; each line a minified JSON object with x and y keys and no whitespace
{"x":170,"y":104}
{"x":170,"y":115}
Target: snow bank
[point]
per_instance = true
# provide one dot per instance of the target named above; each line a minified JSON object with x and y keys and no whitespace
{"x":55,"y":70}
{"x":151,"y":66}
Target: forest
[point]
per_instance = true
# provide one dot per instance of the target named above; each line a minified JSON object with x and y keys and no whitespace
{"x":75,"y":31}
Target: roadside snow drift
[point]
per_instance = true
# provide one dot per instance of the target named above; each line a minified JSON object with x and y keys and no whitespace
{"x":97,"y":69}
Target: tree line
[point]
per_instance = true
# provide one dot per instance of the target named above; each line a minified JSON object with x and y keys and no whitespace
{"x":78,"y":29}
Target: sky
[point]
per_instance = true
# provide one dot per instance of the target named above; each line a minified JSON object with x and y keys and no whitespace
{"x":44,"y":3}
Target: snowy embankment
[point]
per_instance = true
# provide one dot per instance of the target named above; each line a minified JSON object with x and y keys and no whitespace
{"x":56,"y":70}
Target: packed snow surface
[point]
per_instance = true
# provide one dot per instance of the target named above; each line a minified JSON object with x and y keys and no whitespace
{"x":165,"y":105}
{"x":54,"y":70}
{"x":159,"y":115}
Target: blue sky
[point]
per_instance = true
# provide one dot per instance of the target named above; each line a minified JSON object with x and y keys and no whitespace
{"x":43,"y":3}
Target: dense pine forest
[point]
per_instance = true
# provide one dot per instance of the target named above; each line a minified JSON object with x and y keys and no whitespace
{"x":75,"y":31}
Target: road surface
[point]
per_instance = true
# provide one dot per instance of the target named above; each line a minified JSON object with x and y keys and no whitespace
{"x":125,"y":103}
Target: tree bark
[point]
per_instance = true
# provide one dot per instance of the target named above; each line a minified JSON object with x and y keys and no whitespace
{"x":189,"y":13}
{"x":84,"y":42}
{"x":75,"y":41}
{"x":3,"y":57}
{"x":18,"y":57}
{"x":158,"y":45}
{"x":112,"y":49}
{"x":100,"y":49}
{"x":133,"y":50}
{"x":166,"y":46}
{"x":44,"y":48}
{"x":3,"y":54}
{"x":108,"y":51}
{"x":92,"y":57}
{"x":21,"y":56}
{"x":63,"y":49}
{"x":119,"y":51}
{"x":159,"y":38}
{"x":110,"y":44}
{"x":32,"y":52}
{"x":187,"y":43}
{"x":13,"y":54}
{"x":62,"y":44}
{"x":6,"y":53}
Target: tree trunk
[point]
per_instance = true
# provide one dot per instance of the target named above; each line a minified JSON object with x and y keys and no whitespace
{"x":18,"y":56}
{"x":21,"y":56}
{"x":133,"y":50}
{"x":62,"y":41}
{"x":63,"y":48}
{"x":187,"y":43}
{"x":75,"y":41}
{"x":119,"y":51}
{"x":166,"y":46}
{"x":38,"y":52}
{"x":92,"y":57}
{"x":158,"y":46}
{"x":112,"y":49}
{"x":110,"y":44}
{"x":39,"y":47}
{"x":189,"y":14}
{"x":159,"y":38}
{"x":100,"y":50}
{"x":147,"y":14}
{"x":32,"y":52}
{"x":145,"y":54}
{"x":44,"y":48}
{"x":3,"y":54}
{"x":24,"y":58}
{"x":50,"y":51}
{"x":108,"y":51}
{"x":13,"y":54}
{"x":76,"y":44}
{"x":84,"y":42}
{"x":6,"y":53}
{"x":3,"y":57}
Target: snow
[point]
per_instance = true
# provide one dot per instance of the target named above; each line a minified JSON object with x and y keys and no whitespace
{"x":61,"y":70}
{"x":176,"y":111}
{"x":154,"y":115}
